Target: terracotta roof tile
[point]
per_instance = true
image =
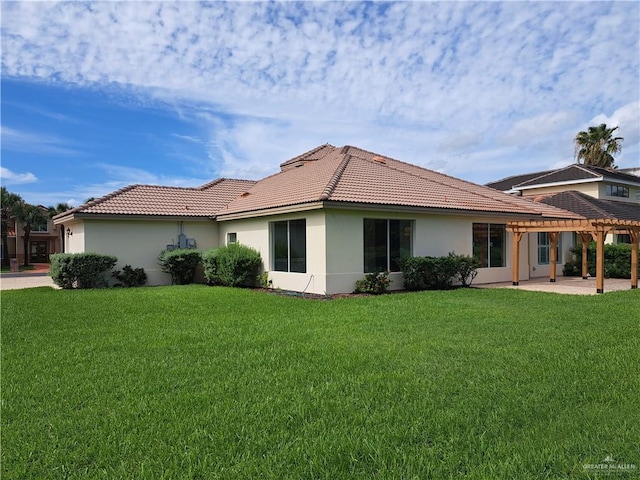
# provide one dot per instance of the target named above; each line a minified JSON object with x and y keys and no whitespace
{"x":203,"y":201}
{"x":353,"y":175}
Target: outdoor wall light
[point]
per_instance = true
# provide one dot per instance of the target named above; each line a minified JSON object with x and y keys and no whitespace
{"x":69,"y":232}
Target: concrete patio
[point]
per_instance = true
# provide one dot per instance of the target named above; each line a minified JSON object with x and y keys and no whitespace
{"x":565,"y":285}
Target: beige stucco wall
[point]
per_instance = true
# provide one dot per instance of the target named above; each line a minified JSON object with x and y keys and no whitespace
{"x":339,"y":233}
{"x":254,"y":232}
{"x":591,"y":189}
{"x":335,"y":259}
{"x":139,"y":242}
{"x":537,"y":270}
{"x":74,"y":243}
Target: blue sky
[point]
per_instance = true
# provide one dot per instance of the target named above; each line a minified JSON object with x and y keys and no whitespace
{"x":96,"y":96}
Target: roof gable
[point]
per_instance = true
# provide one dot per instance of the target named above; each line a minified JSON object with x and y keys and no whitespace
{"x":575,"y":173}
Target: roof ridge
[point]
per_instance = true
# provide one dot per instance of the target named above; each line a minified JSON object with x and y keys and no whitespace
{"x":99,"y":200}
{"x":218,"y":181}
{"x":305,"y":154}
{"x":585,"y":169}
{"x":544,"y":174}
{"x":537,"y":174}
{"x":333,"y":182}
{"x":581,"y":197}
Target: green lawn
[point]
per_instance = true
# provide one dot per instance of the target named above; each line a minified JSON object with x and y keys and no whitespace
{"x":201,"y":382}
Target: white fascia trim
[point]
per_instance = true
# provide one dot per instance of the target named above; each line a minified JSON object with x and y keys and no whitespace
{"x":271,"y":211}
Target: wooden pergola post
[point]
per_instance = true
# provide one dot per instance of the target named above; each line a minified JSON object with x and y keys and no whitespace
{"x":600,"y":261}
{"x":635,"y":239}
{"x":515,"y":258}
{"x":553,"y":254}
{"x":586,"y":238}
{"x":596,"y":228}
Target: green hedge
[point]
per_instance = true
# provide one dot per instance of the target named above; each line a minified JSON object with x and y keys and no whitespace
{"x":234,"y":265}
{"x":438,"y":273}
{"x":617,"y":261}
{"x":181,"y":264}
{"x":81,"y":270}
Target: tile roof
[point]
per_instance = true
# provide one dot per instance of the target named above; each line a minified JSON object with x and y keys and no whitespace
{"x":590,"y":207}
{"x":508,"y":183}
{"x":352,"y":175}
{"x":569,"y":173}
{"x":203,"y":201}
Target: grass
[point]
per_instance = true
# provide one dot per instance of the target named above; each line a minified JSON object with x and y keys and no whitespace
{"x":200,"y":382}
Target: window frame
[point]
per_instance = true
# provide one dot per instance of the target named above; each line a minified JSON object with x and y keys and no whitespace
{"x":38,"y":228}
{"x":545,"y":246}
{"x":276,"y":230}
{"x":489,"y":261}
{"x":619,"y":191}
{"x":232,"y":237}
{"x":393,"y":245}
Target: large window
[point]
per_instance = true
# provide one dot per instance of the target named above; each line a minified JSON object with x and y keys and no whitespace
{"x":289,"y":246}
{"x":544,"y":249}
{"x":617,"y":191}
{"x":386,"y":242}
{"x":41,"y":227}
{"x":489,"y":244}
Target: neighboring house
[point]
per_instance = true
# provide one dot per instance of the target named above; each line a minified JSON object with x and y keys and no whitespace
{"x":615,"y":185}
{"x":330,"y":216}
{"x":44,"y":240}
{"x":591,"y":192}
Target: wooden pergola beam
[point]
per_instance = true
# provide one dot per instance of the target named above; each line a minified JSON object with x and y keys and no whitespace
{"x":595,"y":228}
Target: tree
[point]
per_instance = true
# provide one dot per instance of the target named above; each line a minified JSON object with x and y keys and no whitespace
{"x":53,"y":211}
{"x":597,"y":146}
{"x":8,"y":203}
{"x":30,"y":216}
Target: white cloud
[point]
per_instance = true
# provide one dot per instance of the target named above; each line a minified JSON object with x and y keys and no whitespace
{"x":444,"y":84}
{"x":626,"y":118}
{"x":23,"y":141}
{"x":12,"y":178}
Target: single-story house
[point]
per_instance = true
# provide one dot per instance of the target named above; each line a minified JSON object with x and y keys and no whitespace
{"x":328,"y":217}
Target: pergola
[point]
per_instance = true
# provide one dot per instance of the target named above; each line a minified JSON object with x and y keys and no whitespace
{"x":596,"y":229}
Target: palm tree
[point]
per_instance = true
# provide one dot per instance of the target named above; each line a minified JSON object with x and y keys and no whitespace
{"x":53,"y":211}
{"x":597,"y":146}
{"x":30,"y":216}
{"x":8,"y":203}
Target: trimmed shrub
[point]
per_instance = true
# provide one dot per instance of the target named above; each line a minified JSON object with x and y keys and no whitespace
{"x":438,"y":273}
{"x":180,"y":263}
{"x":617,"y":261}
{"x":81,"y":270}
{"x":234,"y":265}
{"x":466,"y":268}
{"x":375,"y":283}
{"x":428,"y":273}
{"x":130,"y":277}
